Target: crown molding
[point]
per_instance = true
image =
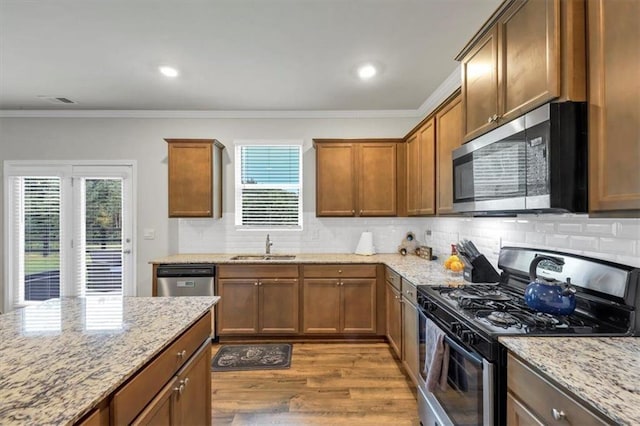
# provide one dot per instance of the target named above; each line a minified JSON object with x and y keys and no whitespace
{"x":448,"y":86}
{"x":401,"y":113}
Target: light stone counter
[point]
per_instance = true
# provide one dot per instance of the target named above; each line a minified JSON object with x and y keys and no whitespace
{"x":604,"y":372}
{"x":62,"y":357}
{"x":416,"y":269}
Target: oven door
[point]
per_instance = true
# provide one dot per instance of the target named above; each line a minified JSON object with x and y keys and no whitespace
{"x":468,"y":397}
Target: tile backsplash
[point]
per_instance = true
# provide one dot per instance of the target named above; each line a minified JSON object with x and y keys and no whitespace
{"x":617,"y":240}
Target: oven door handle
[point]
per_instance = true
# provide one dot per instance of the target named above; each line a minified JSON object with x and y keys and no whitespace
{"x":475,"y":358}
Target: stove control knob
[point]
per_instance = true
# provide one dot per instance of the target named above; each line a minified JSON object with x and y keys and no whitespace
{"x":468,"y":337}
{"x":456,"y":327}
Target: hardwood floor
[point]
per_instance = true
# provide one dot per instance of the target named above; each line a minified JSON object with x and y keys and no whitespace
{"x":327,"y":384}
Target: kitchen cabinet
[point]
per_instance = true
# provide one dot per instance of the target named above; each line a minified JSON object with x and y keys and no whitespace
{"x":186,"y":399}
{"x":258,"y":299}
{"x":533,"y":400}
{"x":420,"y":151}
{"x":410,"y":338}
{"x":528,"y":53}
{"x":393,"y":311}
{"x":614,"y":107}
{"x":339,"y":299}
{"x":356,"y":177}
{"x":195,"y":177}
{"x":182,"y":363}
{"x":448,"y":138}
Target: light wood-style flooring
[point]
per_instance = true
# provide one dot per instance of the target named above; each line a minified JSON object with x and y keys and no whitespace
{"x":327,"y":384}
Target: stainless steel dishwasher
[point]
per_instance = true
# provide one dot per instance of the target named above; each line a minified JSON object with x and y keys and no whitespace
{"x":186,"y":279}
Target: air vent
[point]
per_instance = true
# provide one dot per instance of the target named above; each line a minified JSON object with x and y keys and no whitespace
{"x":57,"y":100}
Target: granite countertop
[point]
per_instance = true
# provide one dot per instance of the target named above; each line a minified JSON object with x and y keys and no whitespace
{"x":602,"y":371}
{"x":60,"y":358}
{"x":416,"y":269}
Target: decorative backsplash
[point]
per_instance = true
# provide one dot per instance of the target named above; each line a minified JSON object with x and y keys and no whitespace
{"x":617,"y":240}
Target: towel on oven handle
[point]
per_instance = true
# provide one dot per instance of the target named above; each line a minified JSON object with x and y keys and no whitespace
{"x":436,"y":360}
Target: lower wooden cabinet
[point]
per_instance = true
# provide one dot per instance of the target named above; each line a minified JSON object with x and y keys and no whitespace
{"x":172,"y":389}
{"x":339,"y":299}
{"x":410,"y":347}
{"x":186,"y":399}
{"x":259,"y":299}
{"x":393,"y":310}
{"x":533,"y":400}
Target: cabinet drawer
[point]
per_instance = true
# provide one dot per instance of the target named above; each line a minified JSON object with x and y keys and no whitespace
{"x":541,"y":397}
{"x":131,"y":399}
{"x":340,"y":271}
{"x":258,"y":271}
{"x":392,"y":277}
{"x":409,"y":292}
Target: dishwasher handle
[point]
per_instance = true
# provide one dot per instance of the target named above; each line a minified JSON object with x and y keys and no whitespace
{"x":180,"y":270}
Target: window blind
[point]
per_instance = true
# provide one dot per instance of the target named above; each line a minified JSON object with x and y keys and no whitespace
{"x":37,"y":214}
{"x":269,"y":186}
{"x":100,"y":236}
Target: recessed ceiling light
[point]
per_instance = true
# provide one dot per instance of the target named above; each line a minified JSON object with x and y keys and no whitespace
{"x":168,"y":71}
{"x":367,"y":71}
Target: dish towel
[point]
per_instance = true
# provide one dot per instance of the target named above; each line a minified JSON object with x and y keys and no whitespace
{"x":436,"y":360}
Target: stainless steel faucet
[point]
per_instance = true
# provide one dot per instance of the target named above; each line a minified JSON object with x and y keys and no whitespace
{"x":268,"y":245}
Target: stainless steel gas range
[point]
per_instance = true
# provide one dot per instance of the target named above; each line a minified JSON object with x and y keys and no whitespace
{"x":473,"y":316}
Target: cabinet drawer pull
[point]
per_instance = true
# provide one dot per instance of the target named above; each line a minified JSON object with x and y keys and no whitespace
{"x":558,"y":414}
{"x":182,"y":354}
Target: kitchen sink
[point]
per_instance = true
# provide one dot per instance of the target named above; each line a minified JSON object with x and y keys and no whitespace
{"x":264,"y":257}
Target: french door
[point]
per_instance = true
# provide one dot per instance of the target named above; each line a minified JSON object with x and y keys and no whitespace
{"x":69,"y":231}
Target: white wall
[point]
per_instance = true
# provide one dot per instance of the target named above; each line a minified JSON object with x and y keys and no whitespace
{"x":142,"y":140}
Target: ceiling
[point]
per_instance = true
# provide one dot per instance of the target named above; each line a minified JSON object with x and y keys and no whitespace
{"x":233,"y":55}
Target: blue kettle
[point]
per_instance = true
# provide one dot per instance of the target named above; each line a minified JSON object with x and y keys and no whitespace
{"x":549,"y":297}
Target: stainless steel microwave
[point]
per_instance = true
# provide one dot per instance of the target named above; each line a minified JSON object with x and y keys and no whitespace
{"x":535,"y":163}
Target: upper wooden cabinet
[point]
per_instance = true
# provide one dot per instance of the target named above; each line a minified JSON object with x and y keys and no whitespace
{"x":356,"y":177}
{"x":529,"y":52}
{"x":448,"y":138}
{"x":421,"y":170}
{"x":195,"y":178}
{"x":614,"y":107}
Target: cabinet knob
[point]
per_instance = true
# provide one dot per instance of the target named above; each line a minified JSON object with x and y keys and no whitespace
{"x":353,"y":212}
{"x":181,"y":354}
{"x":360,"y":212}
{"x":558,"y":414}
{"x":185,"y":382}
{"x":339,"y":271}
{"x":256,"y":283}
{"x":179,"y":389}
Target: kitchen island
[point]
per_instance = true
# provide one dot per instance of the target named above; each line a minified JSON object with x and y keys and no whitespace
{"x":601,"y":372}
{"x":63,"y":358}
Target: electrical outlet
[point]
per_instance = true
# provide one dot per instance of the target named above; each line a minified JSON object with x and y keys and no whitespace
{"x":149,"y":234}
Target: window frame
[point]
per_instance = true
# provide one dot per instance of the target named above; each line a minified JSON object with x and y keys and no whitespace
{"x":239,"y":186}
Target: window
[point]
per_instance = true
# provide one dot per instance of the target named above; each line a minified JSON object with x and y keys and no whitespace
{"x":269,"y":185}
{"x":69,"y":230}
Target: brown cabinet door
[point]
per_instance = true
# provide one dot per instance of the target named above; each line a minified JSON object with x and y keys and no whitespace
{"x":321,"y":306}
{"x":427,"y":165}
{"x":278,"y":306}
{"x":614,"y":107}
{"x":358,"y":305}
{"x":448,"y":138}
{"x":529,"y":58}
{"x":193,"y":397}
{"x":161,"y":410}
{"x":480,"y":86}
{"x":238,"y":307}
{"x":413,"y":175}
{"x":410,"y":348}
{"x":335,"y":179}
{"x":377,"y":179}
{"x":190,"y":178}
{"x":394,"y":319}
{"x":519,"y":415}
